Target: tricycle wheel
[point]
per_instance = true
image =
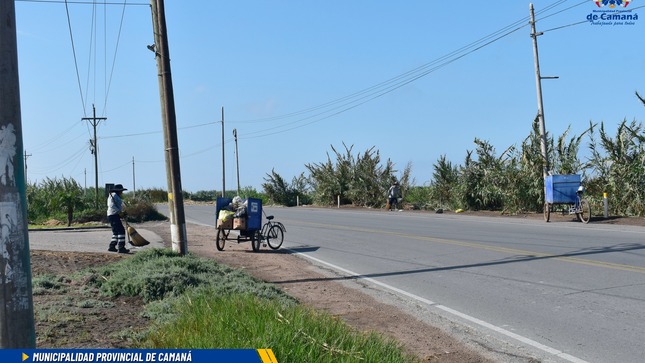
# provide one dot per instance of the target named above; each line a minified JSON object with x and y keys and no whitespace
{"x":547,"y":212}
{"x":256,"y":238}
{"x":585,"y":211}
{"x":275,"y":237}
{"x":220,"y":239}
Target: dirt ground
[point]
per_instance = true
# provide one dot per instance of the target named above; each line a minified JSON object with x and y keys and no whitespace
{"x":80,"y":321}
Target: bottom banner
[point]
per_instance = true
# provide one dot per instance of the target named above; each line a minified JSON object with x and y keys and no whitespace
{"x":137,"y":355}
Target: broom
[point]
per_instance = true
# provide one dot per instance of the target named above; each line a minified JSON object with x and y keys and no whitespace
{"x":135,"y":238}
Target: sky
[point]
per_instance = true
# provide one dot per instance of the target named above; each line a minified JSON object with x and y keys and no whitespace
{"x":413,"y":79}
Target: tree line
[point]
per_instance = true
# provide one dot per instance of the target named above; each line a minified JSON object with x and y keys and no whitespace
{"x":510,"y":182}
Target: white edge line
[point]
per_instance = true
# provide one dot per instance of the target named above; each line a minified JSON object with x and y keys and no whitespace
{"x":454,"y":312}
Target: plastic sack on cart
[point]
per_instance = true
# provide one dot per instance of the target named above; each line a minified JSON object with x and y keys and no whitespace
{"x":240,"y":212}
{"x":225,"y":215}
{"x":237,"y":202}
{"x":238,"y":206}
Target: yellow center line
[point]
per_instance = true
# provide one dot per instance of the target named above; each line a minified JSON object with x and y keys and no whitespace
{"x":512,"y":251}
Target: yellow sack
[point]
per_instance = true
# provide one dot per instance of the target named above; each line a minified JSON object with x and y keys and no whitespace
{"x":225,"y":215}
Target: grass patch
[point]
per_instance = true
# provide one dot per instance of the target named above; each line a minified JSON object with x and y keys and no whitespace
{"x":295,"y":333}
{"x":93,"y":303}
{"x":63,"y":225}
{"x":197,"y":303}
{"x":158,"y":274}
{"x":46,"y":284}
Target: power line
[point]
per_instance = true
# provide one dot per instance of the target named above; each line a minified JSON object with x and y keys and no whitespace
{"x":354,"y":100}
{"x":79,"y":153}
{"x":384,"y":88}
{"x":563,"y":10}
{"x":513,"y":26}
{"x":78,"y":76}
{"x":346,"y":103}
{"x":116,"y":48}
{"x":79,"y":2}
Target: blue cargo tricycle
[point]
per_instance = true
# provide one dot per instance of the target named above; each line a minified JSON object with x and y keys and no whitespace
{"x":564,"y":193}
{"x":249,"y":226}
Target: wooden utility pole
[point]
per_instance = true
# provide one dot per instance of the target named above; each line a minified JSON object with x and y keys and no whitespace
{"x":237,"y":161}
{"x":223,"y":160}
{"x":17,"y":329}
{"x":538,"y":84}
{"x":26,"y":156}
{"x":175,"y":193}
{"x":134,"y":180}
{"x":94,"y":121}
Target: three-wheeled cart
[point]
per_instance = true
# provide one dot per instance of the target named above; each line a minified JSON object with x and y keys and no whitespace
{"x":564,"y":193}
{"x":248,"y":228}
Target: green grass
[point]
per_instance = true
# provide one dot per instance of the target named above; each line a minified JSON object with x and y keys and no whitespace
{"x":295,"y":333}
{"x":43,"y":284}
{"x":196,"y":303}
{"x":62,"y":225}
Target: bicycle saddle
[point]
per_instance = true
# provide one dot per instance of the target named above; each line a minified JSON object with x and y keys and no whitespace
{"x":269,"y":218}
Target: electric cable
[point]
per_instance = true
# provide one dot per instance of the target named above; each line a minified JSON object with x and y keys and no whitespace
{"x":66,"y":161}
{"x":79,"y":2}
{"x":412,"y":72}
{"x":379,"y":92}
{"x":56,"y":138}
{"x":406,"y":78}
{"x":117,"y":168}
{"x":116,"y":49}
{"x":78,"y":76}
{"x":356,"y":99}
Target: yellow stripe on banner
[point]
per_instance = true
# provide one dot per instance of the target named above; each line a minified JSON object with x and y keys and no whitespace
{"x":267,"y":356}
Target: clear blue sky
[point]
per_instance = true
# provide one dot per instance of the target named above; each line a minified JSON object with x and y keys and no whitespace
{"x":295,"y":77}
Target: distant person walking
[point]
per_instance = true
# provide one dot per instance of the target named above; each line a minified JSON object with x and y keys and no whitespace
{"x":114,"y":210}
{"x":393,"y":195}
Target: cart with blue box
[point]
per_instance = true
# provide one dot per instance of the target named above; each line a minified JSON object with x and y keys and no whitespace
{"x":246,"y":218}
{"x":248,"y":224}
{"x":564,"y":193}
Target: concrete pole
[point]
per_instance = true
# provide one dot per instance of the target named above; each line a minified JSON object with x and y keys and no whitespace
{"x":17,"y":329}
{"x":538,"y":84}
{"x":175,"y":195}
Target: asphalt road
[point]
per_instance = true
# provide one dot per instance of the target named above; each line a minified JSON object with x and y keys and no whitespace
{"x":561,"y":292}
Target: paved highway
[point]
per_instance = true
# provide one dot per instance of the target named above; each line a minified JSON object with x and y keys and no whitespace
{"x":561,"y":292}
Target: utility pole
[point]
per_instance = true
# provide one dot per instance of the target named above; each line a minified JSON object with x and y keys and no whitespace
{"x":223,"y":160}
{"x":175,"y":194}
{"x":538,"y":84}
{"x":134,"y":184}
{"x":237,"y":161}
{"x":17,"y":329}
{"x":26,"y":156}
{"x":94,"y":121}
